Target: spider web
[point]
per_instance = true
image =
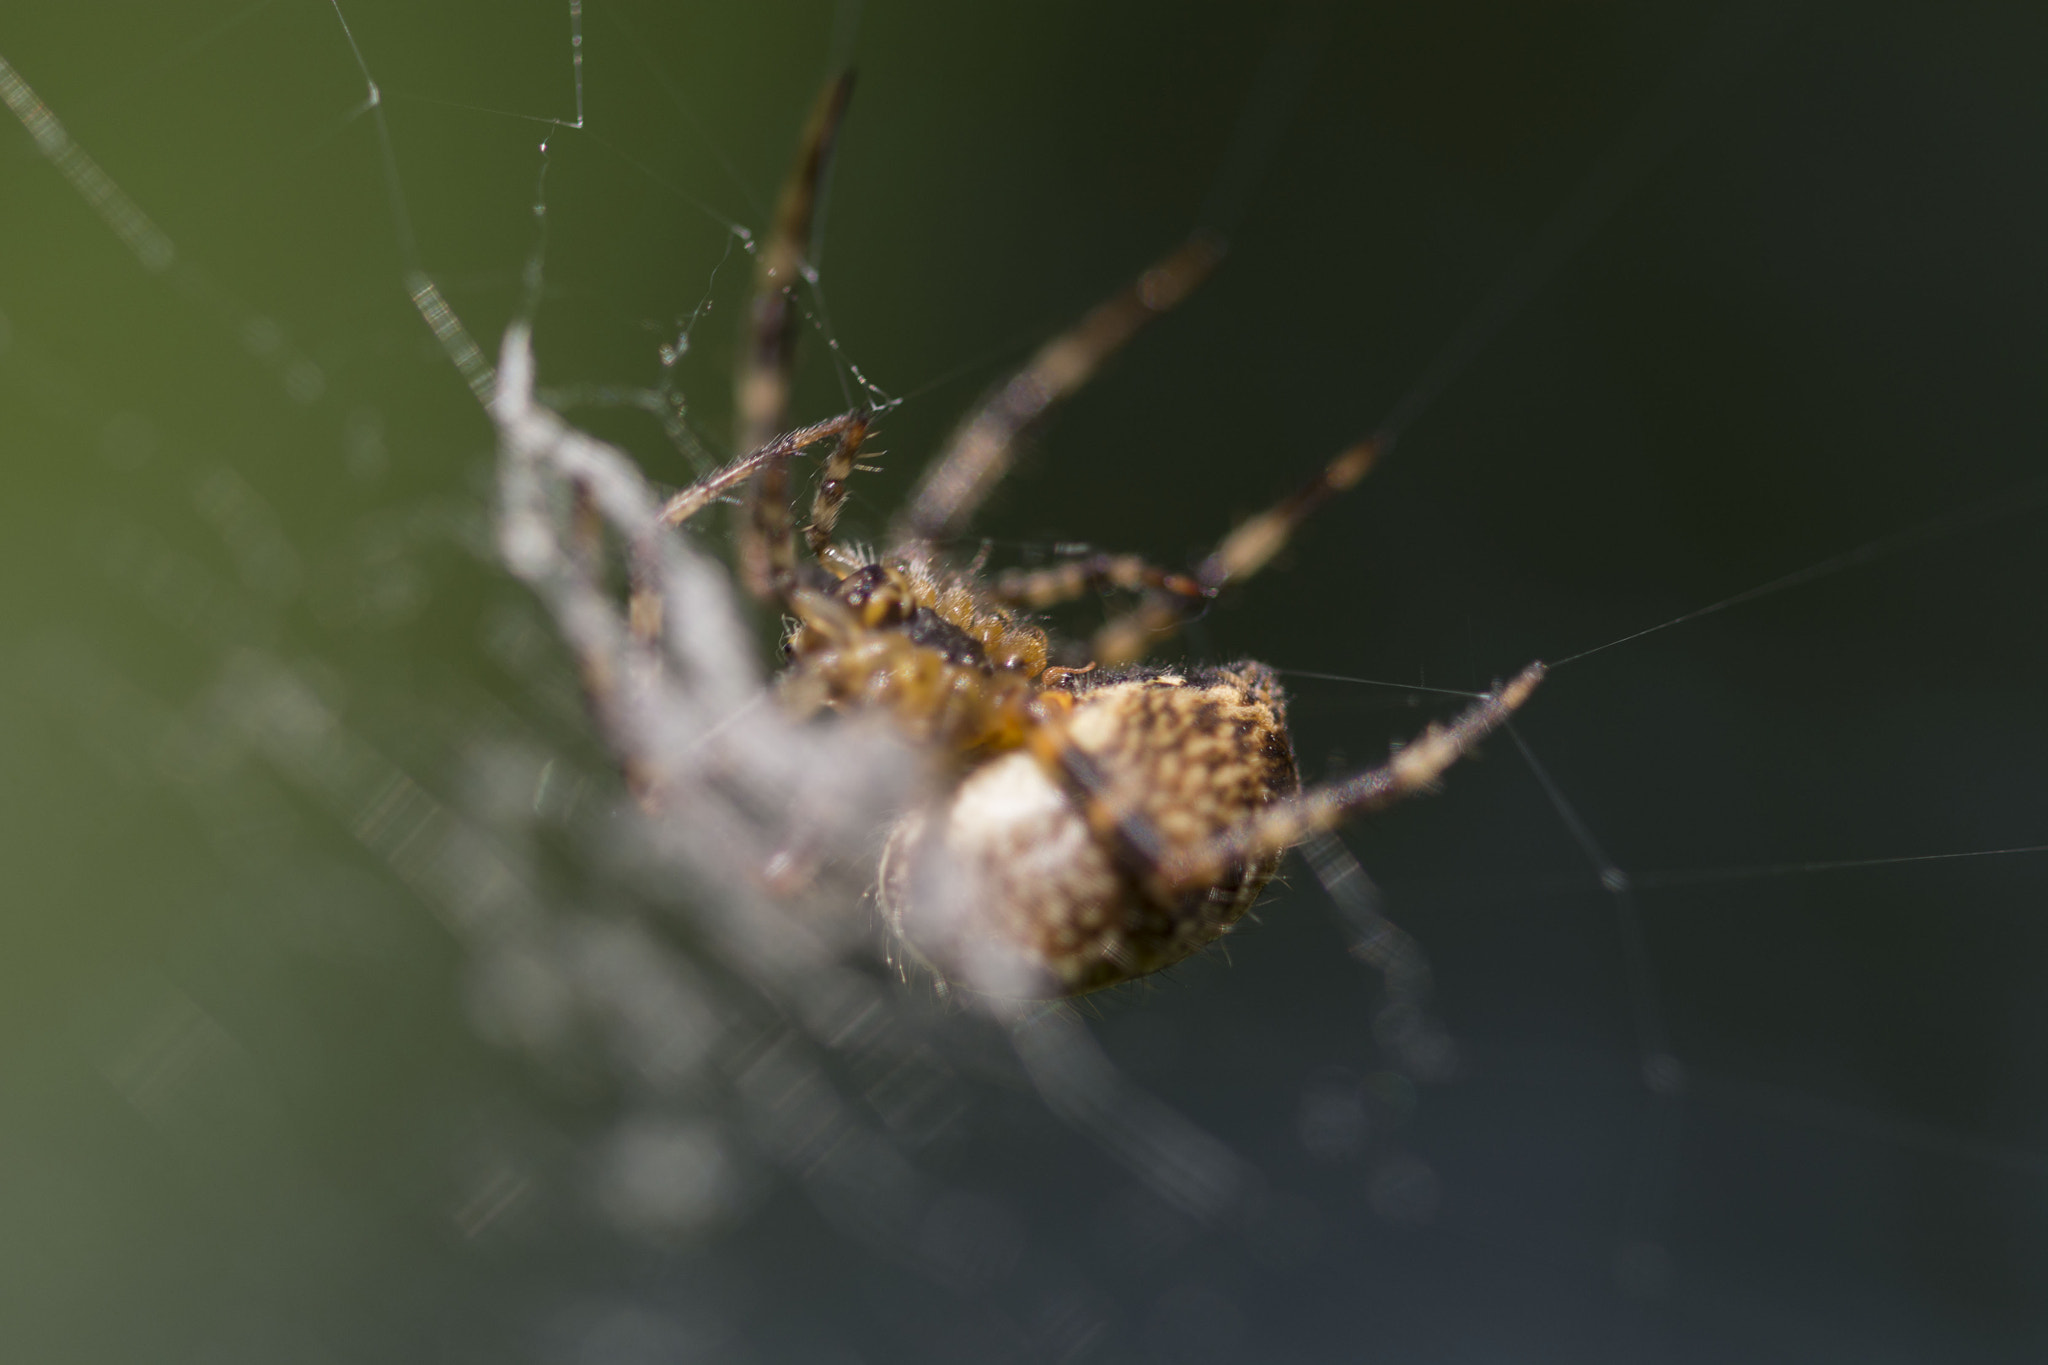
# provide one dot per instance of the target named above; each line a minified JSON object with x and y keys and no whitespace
{"x":340,"y":1021}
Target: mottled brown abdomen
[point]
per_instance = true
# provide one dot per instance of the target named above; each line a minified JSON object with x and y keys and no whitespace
{"x":1042,"y":873}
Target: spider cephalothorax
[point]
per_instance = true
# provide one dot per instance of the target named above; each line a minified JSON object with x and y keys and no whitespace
{"x":1081,"y":826}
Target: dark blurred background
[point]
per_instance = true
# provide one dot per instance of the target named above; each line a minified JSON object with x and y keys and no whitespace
{"x":1792,"y":306}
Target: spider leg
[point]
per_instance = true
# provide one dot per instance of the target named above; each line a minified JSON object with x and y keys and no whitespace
{"x":1038,"y":589}
{"x":1246,"y":550}
{"x":1192,"y":1170}
{"x":1416,"y":768}
{"x":1404,"y":1026}
{"x":761,"y":387}
{"x":707,"y":490}
{"x":646,"y":606}
{"x":771,"y":528}
{"x":768,"y":535}
{"x":761,"y":390}
{"x":831,"y":494}
{"x":1169,"y":875}
{"x":981,"y":448}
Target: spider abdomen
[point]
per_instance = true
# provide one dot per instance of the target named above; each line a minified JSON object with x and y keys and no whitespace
{"x":1043,"y":872}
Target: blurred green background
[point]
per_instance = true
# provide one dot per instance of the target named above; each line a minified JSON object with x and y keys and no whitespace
{"x":244,"y":1111}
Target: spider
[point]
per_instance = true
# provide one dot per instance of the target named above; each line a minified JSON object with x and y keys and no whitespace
{"x":1082,"y":826}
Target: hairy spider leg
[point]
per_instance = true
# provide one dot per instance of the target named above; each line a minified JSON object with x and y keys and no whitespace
{"x":646,"y":598}
{"x":1046,"y":587}
{"x":1132,"y":634}
{"x":831,"y":494}
{"x":1415,"y":768}
{"x":761,"y":387}
{"x":1170,"y":872}
{"x":768,"y":537}
{"x":774,"y":513}
{"x":1404,"y":1026}
{"x":982,"y":447}
{"x":681,"y":506}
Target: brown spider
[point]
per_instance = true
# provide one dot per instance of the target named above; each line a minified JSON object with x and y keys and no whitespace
{"x":1088,"y":826}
